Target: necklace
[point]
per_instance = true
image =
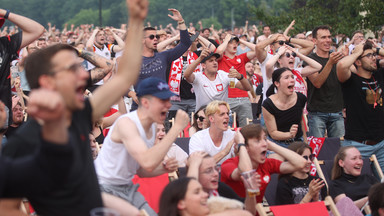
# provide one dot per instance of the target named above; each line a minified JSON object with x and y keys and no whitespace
{"x":373,"y":92}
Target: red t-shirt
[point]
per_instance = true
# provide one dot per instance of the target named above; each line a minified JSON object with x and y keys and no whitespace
{"x":264,"y":170}
{"x":238,"y":62}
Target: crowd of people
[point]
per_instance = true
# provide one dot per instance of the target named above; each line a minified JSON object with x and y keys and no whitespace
{"x":85,"y":110}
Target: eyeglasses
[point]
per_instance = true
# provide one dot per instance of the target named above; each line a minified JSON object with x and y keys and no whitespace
{"x":211,"y":170}
{"x":151,"y":37}
{"x":73,"y":68}
{"x":201,"y":118}
{"x":369,"y":55}
{"x":311,"y":157}
{"x":288,"y":55}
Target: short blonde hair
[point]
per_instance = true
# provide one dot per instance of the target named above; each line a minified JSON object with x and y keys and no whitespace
{"x":213,"y":107}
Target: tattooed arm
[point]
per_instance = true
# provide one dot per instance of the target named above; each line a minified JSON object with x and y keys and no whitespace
{"x":102,"y":65}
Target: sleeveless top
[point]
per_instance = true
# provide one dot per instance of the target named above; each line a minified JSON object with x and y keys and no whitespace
{"x":114,"y":165}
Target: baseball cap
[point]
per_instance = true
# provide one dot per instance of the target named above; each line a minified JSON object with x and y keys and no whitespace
{"x":155,"y":87}
{"x":234,"y":38}
{"x":308,"y":33}
{"x":217,"y":55}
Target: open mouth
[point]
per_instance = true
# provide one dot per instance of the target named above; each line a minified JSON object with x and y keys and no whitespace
{"x":163,"y":114}
{"x":357,"y":167}
{"x":225,"y":124}
{"x":290,"y":87}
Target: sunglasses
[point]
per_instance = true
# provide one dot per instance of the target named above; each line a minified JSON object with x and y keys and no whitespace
{"x":280,"y":42}
{"x":201,"y":118}
{"x":311,"y":157}
{"x":151,"y":37}
{"x":288,"y":55}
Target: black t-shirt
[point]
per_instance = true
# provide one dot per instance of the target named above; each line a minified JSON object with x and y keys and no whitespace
{"x":286,"y":118}
{"x":353,"y":187}
{"x":80,"y":193}
{"x":328,"y":98}
{"x":26,"y":176}
{"x":364,"y":121}
{"x":8,"y":52}
{"x":186,"y":89}
{"x":291,"y":190}
{"x":11,"y":130}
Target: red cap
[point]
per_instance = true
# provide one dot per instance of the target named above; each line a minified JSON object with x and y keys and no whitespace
{"x":2,"y":20}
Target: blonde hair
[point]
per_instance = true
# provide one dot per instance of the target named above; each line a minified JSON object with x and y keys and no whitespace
{"x":213,"y":107}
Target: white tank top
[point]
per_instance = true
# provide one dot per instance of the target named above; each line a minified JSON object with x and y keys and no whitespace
{"x":114,"y":165}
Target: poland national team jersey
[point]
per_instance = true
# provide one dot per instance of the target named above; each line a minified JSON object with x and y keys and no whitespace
{"x":207,"y":91}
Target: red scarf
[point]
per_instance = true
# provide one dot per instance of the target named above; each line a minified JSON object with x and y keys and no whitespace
{"x":177,"y":68}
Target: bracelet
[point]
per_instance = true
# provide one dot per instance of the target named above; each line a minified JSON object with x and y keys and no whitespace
{"x":289,"y":40}
{"x":242,"y":77}
{"x":7,"y":14}
{"x":181,"y":22}
{"x":378,"y":50}
{"x":239,"y":145}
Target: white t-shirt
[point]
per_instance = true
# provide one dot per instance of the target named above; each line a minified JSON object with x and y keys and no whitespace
{"x":207,"y":91}
{"x":114,"y":165}
{"x":266,"y":82}
{"x":201,"y":141}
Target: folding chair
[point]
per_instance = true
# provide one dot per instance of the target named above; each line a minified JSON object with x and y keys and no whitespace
{"x":183,"y":143}
{"x":312,"y":208}
{"x":270,"y":192}
{"x":329,"y":149}
{"x":253,"y":121}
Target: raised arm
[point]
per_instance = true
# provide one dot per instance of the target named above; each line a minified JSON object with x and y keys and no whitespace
{"x":243,"y":83}
{"x":188,"y":74}
{"x":206,"y":43}
{"x":163,"y":44}
{"x":318,"y":79}
{"x":343,"y":67}
{"x":91,"y":40}
{"x":223,"y":46}
{"x":312,"y":67}
{"x":194,"y":162}
{"x":126,"y":132}
{"x":293,"y":162}
{"x":286,"y":31}
{"x":270,"y":65}
{"x":31,"y":29}
{"x":120,"y":43}
{"x":261,"y":53}
{"x":129,"y":66}
{"x":250,"y":54}
{"x":102,"y":65}
{"x":306,"y":45}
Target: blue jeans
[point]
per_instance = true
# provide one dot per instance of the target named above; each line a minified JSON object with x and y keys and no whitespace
{"x":368,"y":150}
{"x":318,"y":122}
{"x":242,"y":107}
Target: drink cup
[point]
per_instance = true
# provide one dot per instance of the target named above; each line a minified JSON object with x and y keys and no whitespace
{"x":250,"y":183}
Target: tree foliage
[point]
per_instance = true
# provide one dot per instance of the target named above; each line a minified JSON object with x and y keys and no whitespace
{"x":344,"y":16}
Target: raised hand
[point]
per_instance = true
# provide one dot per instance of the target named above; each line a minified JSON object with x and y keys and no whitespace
{"x":137,"y":8}
{"x":181,"y":119}
{"x":46,"y":105}
{"x":175,"y":15}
